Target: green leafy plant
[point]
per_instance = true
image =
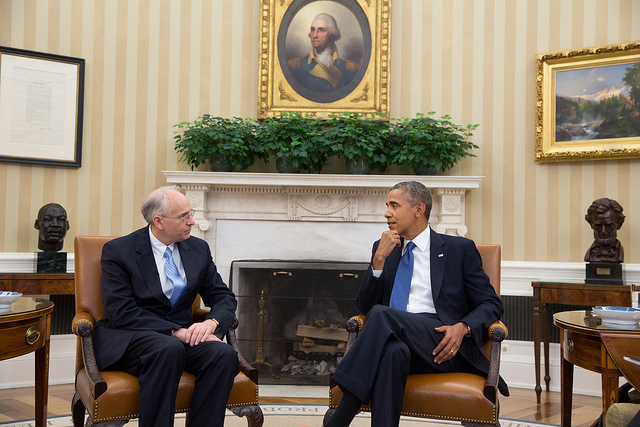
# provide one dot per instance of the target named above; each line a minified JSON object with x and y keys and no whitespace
{"x":231,"y":139}
{"x":424,"y":141}
{"x":297,"y":138}
{"x":356,"y":137}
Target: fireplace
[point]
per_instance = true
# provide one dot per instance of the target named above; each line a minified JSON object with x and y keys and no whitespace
{"x":292,"y":316}
{"x":301,"y":221}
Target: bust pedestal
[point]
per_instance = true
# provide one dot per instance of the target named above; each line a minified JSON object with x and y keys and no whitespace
{"x":604,"y":273}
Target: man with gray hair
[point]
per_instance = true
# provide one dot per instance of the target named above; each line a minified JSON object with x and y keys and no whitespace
{"x":150,"y":279}
{"x":322,"y":70}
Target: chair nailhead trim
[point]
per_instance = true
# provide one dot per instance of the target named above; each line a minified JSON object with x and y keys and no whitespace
{"x":423,"y":415}
{"x":99,"y":420}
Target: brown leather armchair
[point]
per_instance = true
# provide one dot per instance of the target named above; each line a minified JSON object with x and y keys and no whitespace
{"x":469,"y":398}
{"x":112,"y":396}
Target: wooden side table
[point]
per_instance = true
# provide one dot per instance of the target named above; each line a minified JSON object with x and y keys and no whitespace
{"x":38,"y":283}
{"x":584,"y":344}
{"x":545,"y":293}
{"x":24,"y":328}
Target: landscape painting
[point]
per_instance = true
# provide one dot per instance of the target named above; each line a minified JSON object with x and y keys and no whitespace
{"x":598,"y":103}
{"x":588,"y":103}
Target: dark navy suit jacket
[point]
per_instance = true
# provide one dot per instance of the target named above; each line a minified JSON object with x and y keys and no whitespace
{"x":133,"y":299}
{"x":461,"y":290}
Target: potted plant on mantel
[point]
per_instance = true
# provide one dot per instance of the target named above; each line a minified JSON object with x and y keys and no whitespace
{"x":428,"y":145}
{"x":297,"y":141}
{"x":362,"y":140}
{"x":227,"y":143}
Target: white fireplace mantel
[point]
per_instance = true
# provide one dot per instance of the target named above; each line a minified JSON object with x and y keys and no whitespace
{"x":314,"y":197}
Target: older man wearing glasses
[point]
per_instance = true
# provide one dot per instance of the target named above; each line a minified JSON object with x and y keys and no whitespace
{"x":149,"y":281}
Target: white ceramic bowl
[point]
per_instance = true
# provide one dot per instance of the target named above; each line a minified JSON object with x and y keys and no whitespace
{"x":618,"y":315}
{"x":8,"y":298}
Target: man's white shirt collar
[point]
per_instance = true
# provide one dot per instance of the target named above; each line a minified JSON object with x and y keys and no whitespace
{"x":422,"y":240}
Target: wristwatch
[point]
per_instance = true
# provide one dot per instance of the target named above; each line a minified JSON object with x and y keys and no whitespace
{"x":468,"y":330}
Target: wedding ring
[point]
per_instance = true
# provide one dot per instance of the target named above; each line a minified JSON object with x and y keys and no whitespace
{"x":452,"y":352}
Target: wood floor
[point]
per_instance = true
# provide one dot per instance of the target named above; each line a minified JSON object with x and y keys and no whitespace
{"x":17,"y":404}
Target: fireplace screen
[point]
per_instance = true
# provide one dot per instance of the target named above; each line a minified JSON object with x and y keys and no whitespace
{"x":292,"y":316}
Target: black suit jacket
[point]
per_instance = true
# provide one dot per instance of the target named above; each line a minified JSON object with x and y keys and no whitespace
{"x":461,"y":290}
{"x":133,"y":299}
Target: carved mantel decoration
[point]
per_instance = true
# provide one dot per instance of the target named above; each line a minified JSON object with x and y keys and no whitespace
{"x":314,"y":197}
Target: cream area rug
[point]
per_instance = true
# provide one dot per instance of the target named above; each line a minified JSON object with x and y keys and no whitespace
{"x":288,"y":416}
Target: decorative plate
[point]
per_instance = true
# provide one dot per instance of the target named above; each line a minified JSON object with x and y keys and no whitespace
{"x":618,"y":315}
{"x":8,"y":298}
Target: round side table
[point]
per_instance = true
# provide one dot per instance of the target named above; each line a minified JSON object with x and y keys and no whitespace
{"x":26,"y":327}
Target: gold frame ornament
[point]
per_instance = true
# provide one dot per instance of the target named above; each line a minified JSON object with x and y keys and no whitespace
{"x":573,"y":73}
{"x":288,"y":76}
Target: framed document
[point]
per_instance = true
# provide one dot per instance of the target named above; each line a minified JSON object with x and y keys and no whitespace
{"x":322,"y":56}
{"x":41,"y":107}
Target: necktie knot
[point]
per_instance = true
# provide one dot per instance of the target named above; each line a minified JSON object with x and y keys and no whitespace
{"x":410,"y":247}
{"x":168,"y":252}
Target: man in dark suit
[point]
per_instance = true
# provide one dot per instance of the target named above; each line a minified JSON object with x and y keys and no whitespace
{"x":428,"y":304}
{"x":149,"y":281}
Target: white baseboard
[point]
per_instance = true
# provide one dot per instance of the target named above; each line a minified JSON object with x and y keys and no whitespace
{"x":20,"y":371}
{"x":517,"y":367}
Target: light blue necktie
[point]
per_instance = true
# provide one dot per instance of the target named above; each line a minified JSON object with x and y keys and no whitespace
{"x":170,"y":269}
{"x":402,"y":283}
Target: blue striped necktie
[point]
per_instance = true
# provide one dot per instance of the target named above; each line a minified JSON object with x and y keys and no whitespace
{"x":402,"y":283}
{"x":170,"y":269}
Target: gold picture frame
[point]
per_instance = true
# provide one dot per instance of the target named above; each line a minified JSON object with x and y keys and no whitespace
{"x":286,"y":81}
{"x":588,"y":103}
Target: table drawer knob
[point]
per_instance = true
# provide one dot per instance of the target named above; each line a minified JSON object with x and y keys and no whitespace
{"x":571,"y":346}
{"x":32,"y":336}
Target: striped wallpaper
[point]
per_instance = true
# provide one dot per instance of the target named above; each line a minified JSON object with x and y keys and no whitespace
{"x":154,"y":63}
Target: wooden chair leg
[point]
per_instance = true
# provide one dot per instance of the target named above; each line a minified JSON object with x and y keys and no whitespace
{"x":328,"y":415}
{"x":77,"y":411}
{"x":254,"y":415}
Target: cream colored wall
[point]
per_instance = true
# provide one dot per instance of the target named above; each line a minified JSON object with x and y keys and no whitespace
{"x":152,"y":64}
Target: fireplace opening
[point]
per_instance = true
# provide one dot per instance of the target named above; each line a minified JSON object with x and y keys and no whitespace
{"x":292,"y":315}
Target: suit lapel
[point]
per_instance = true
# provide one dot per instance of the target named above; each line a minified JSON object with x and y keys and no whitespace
{"x":438,"y":259}
{"x":147,"y":264}
{"x":188,"y":263}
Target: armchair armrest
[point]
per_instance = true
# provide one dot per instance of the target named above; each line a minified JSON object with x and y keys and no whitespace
{"x":354,"y":326}
{"x":245,"y":367}
{"x":82,"y":326}
{"x":497,"y":333}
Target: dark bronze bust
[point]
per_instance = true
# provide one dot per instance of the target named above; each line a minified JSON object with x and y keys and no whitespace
{"x":605,"y":218}
{"x":52,"y":224}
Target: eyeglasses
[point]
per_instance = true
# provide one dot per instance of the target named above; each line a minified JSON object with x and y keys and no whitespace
{"x":184,"y":218}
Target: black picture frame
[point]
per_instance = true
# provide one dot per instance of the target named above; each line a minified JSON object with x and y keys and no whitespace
{"x":41,"y":107}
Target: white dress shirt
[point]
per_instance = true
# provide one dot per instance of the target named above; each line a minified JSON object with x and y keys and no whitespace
{"x":158,"y":254}
{"x":420,"y":294}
